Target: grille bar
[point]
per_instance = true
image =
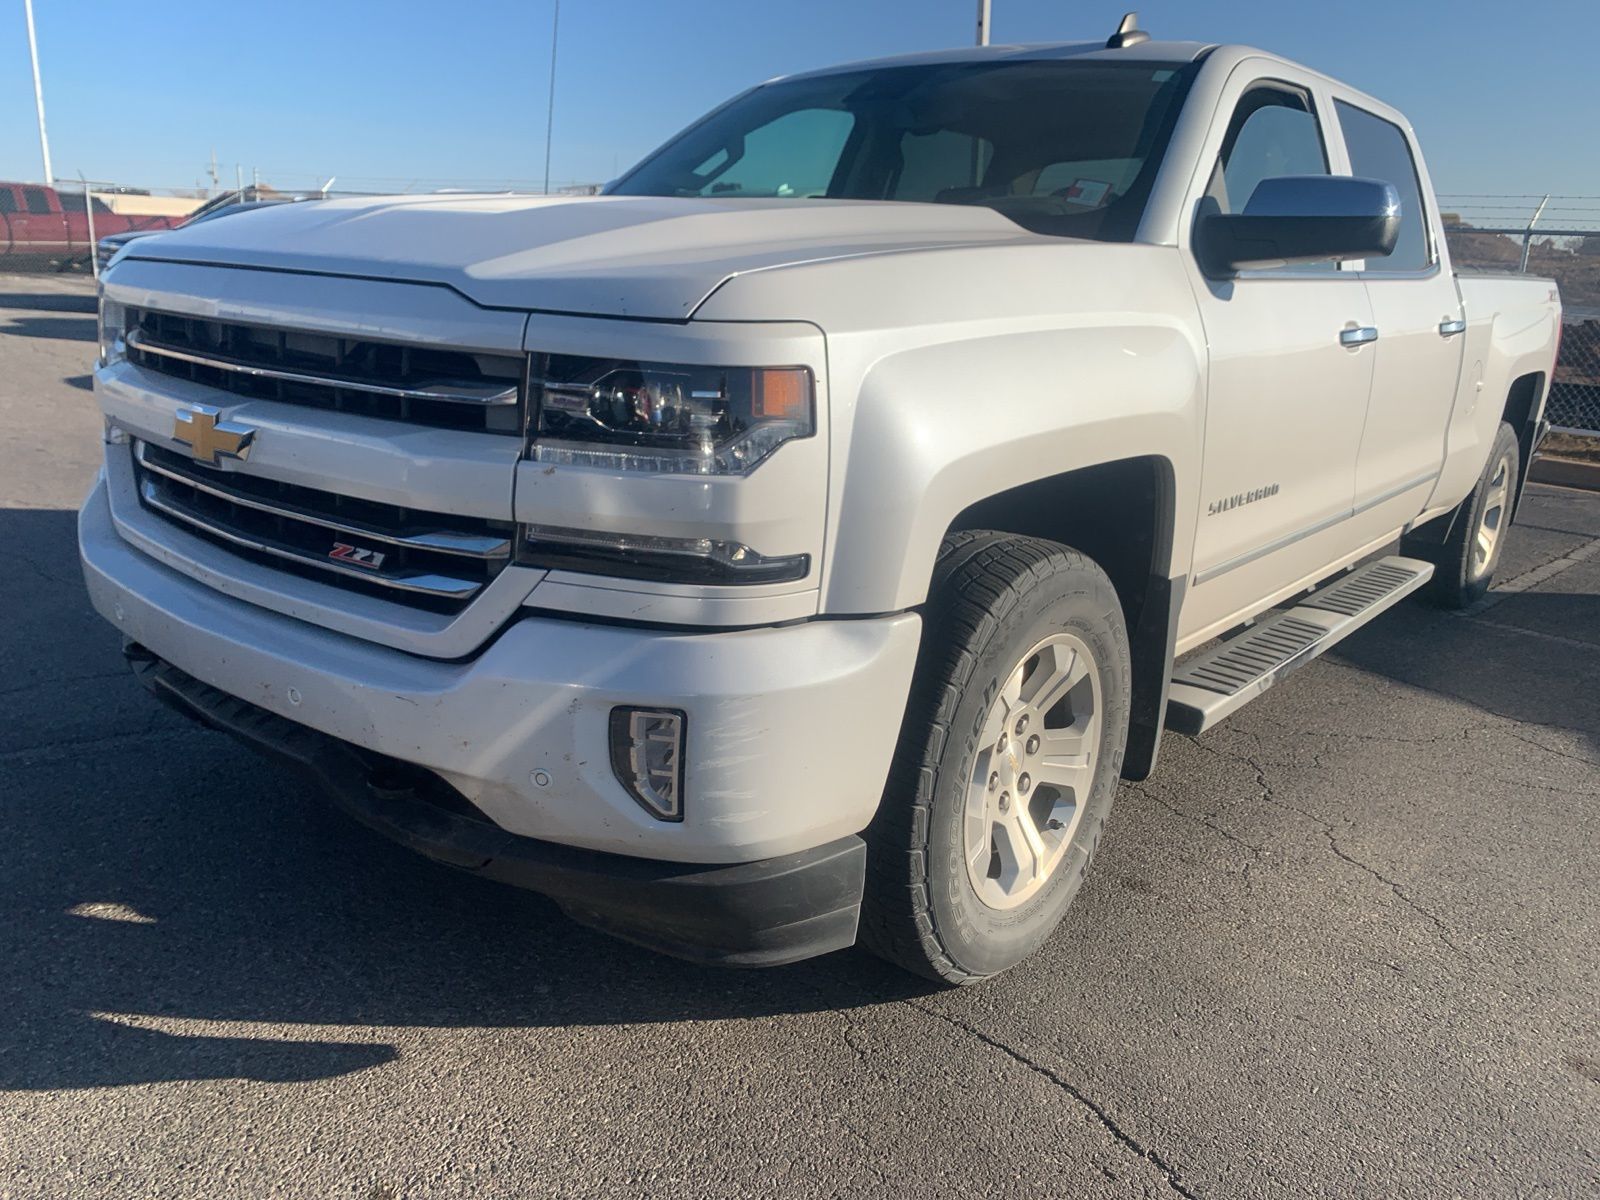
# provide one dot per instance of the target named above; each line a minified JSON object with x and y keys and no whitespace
{"x":447,"y":387}
{"x":443,"y":392}
{"x":441,"y":541}
{"x":440,"y":586}
{"x":409,"y":556}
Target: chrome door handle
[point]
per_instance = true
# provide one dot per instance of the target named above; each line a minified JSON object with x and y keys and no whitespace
{"x":1449,"y":328}
{"x":1358,"y":337}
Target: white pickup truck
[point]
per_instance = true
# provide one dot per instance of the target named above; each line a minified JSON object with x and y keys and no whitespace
{"x":796,"y":543}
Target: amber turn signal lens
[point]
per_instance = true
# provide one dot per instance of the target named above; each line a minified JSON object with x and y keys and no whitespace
{"x":781,"y":394}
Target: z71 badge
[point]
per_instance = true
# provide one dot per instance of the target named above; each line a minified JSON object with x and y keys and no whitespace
{"x":1227,"y":503}
{"x":356,"y":556}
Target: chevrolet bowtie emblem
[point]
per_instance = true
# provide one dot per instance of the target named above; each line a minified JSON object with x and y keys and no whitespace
{"x":198,"y":428}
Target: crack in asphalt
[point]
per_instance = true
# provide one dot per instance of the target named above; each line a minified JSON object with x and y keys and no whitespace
{"x":1466,"y":734}
{"x":1531,"y":578}
{"x":1385,"y":739}
{"x":1529,"y":785}
{"x":1541,"y":635}
{"x":1206,"y":819}
{"x":1169,"y":1172}
{"x":1269,"y":794}
{"x":1456,"y":698}
{"x":864,"y":1060}
{"x":1578,"y":758}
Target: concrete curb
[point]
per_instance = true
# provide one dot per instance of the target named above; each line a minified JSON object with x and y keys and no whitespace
{"x":1566,"y":472}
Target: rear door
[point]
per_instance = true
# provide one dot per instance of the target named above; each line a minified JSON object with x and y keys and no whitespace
{"x":38,"y":227}
{"x":1417,"y":313}
{"x":8,"y":217}
{"x":1286,"y":398}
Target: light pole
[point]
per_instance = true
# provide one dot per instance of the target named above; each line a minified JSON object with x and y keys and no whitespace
{"x":38,"y":95}
{"x":550,"y":107}
{"x":983,"y":22}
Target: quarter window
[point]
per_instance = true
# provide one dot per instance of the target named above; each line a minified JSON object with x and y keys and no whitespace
{"x":1379,"y":150}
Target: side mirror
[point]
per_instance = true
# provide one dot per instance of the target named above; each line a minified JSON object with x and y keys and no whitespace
{"x":1302,"y":218}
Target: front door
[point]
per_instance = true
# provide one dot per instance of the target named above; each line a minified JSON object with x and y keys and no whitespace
{"x":1289,"y":378}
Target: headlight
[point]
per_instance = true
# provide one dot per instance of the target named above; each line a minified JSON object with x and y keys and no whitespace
{"x":667,"y":418}
{"x":113,"y":328}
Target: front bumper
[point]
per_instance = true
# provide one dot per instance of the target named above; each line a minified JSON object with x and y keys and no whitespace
{"x":790,"y":729}
{"x":757,"y":914}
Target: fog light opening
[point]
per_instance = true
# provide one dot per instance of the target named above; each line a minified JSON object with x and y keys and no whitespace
{"x":647,"y":758}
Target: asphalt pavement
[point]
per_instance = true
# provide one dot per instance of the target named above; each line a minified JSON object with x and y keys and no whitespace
{"x":1348,"y":944}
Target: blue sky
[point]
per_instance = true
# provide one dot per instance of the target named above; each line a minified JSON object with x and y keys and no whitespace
{"x":388,"y":94}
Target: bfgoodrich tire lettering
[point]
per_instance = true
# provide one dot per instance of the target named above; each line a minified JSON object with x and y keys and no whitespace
{"x":995,"y":599}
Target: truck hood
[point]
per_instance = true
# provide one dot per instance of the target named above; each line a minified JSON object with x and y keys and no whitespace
{"x":629,"y":256}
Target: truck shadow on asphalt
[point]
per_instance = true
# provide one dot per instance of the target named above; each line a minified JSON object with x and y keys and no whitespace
{"x":77,"y":322}
{"x":160,"y":885}
{"x":164,"y":892}
{"x":63,"y":302}
{"x":72,"y":329}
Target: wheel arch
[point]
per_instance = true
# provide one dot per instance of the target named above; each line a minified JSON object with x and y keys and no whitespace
{"x":1523,"y":411}
{"x":1123,"y":515}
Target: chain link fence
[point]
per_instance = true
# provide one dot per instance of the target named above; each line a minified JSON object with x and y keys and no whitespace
{"x":1553,"y":236}
{"x":1575,"y":392}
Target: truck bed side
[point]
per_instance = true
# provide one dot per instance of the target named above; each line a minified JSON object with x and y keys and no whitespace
{"x":1513,"y":322}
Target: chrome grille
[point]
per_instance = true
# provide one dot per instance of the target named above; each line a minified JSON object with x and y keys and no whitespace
{"x":421,"y":385}
{"x":423,"y":559}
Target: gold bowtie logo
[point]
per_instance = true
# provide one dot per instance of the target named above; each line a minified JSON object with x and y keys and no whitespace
{"x":198,"y":428}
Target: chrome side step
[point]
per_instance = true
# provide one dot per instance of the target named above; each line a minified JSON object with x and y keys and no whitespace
{"x":1211,"y":685}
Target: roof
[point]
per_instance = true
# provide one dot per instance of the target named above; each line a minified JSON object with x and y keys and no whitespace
{"x":1152,"y":51}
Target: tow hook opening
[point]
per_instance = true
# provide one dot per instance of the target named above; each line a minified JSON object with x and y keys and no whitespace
{"x":391,"y":781}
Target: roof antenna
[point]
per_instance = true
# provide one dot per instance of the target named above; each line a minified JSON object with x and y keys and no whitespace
{"x":1128,"y":33}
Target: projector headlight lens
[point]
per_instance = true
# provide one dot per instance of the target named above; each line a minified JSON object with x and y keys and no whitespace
{"x":667,"y":418}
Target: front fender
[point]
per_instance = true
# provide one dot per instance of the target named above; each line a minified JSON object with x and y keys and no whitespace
{"x":939,"y":427}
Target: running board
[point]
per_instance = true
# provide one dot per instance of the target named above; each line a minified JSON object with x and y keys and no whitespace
{"x":1210,"y":686}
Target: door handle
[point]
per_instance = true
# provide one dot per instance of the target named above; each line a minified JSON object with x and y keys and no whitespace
{"x":1358,"y":337}
{"x":1449,"y":327}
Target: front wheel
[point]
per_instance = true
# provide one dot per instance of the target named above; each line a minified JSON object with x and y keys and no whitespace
{"x":1008,"y":760}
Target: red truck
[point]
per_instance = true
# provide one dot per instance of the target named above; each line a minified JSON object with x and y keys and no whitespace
{"x":38,"y":223}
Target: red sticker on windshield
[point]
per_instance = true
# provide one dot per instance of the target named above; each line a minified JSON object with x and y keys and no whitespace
{"x":1091,"y":193}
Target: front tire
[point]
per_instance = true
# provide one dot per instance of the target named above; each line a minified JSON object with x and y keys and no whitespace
{"x":1464,"y":563}
{"x":1008,"y":759}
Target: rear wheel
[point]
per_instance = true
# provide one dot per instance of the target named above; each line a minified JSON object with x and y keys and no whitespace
{"x":1465,"y":562}
{"x":1008,"y":760}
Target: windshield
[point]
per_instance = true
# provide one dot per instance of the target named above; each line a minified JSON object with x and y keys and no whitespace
{"x":1061,"y":148}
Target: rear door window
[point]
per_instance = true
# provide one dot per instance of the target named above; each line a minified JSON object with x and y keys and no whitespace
{"x":36,"y":200}
{"x":1379,"y":150}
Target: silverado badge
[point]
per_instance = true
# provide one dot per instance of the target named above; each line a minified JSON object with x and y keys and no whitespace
{"x":1229,"y":503}
{"x":198,"y":428}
